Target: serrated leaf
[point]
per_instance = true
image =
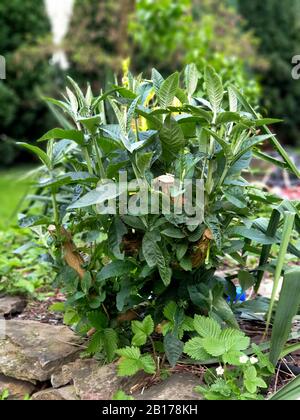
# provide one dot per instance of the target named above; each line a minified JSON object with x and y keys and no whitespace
{"x":110,"y":343}
{"x":214,"y":346}
{"x":96,"y":343}
{"x":206,"y":327}
{"x":195,"y":350}
{"x":128,"y":367}
{"x":148,"y":364}
{"x":234,"y":340}
{"x":97,"y":320}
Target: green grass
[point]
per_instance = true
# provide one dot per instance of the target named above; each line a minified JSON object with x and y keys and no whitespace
{"x":13,"y":187}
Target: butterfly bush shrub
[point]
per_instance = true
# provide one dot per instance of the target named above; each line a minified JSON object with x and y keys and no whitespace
{"x":127,"y":265}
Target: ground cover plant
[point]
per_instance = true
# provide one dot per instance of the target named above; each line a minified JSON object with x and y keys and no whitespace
{"x":148,"y":287}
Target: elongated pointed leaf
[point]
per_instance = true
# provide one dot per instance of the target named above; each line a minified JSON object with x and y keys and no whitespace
{"x":59,"y":133}
{"x":287,"y":308}
{"x":37,"y":152}
{"x":266,"y":249}
{"x":168,"y":90}
{"x":289,"y":392}
{"x":273,"y":139}
{"x":214,"y":88}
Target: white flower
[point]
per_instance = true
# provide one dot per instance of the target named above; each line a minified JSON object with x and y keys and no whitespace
{"x":244,"y":360}
{"x":220,"y":371}
{"x":253,"y":360}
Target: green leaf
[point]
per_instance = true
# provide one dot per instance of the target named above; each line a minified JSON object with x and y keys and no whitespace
{"x":290,"y":392}
{"x":282,"y":152}
{"x":266,"y":249}
{"x":129,"y":367}
{"x":100,"y":195}
{"x":214,"y":88}
{"x":172,"y":139}
{"x":173,"y":232}
{"x":206,"y":327}
{"x":97,"y":320}
{"x":234,"y":340}
{"x":173,"y":348}
{"x":142,"y":330}
{"x":167,"y":91}
{"x":246,"y":280}
{"x":194,"y":349}
{"x":214,"y":346}
{"x":115,"y":269}
{"x":289,"y":220}
{"x":181,"y":250}
{"x":131,"y":113}
{"x":116,"y":233}
{"x":148,"y":364}
{"x":121,"y":396}
{"x":110,"y":343}
{"x":38,"y":152}
{"x":59,"y":133}
{"x":186,"y":263}
{"x":191,"y":77}
{"x":143,"y":162}
{"x":252,"y":382}
{"x":86,"y":282}
{"x":157,"y":80}
{"x":90,"y":123}
{"x":253,"y":235}
{"x":287,"y":308}
{"x":151,"y":250}
{"x":96,"y":343}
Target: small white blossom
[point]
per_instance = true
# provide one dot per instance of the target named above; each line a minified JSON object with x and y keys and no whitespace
{"x":220,"y":371}
{"x":253,"y":360}
{"x":244,"y":359}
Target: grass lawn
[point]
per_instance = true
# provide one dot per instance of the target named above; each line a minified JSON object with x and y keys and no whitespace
{"x":13,"y":187}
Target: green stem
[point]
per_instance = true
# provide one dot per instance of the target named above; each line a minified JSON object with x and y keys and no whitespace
{"x":55,"y":210}
{"x":99,"y":160}
{"x":88,"y":160}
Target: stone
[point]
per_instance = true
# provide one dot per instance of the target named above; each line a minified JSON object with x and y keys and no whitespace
{"x":93,"y":381}
{"x":66,"y":393}
{"x":32,"y":351}
{"x":11,"y":305}
{"x":17,"y":389}
{"x":62,"y":378}
{"x":179,"y":386}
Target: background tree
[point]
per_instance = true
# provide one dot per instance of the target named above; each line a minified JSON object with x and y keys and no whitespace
{"x":170,"y":33}
{"x":97,"y":41}
{"x":23,"y":29}
{"x":277,"y":24}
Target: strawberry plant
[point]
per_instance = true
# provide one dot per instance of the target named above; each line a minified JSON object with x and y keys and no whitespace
{"x":125,"y":257}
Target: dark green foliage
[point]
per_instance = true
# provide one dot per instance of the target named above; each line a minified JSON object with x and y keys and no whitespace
{"x":23,"y":26}
{"x":277,"y":24}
